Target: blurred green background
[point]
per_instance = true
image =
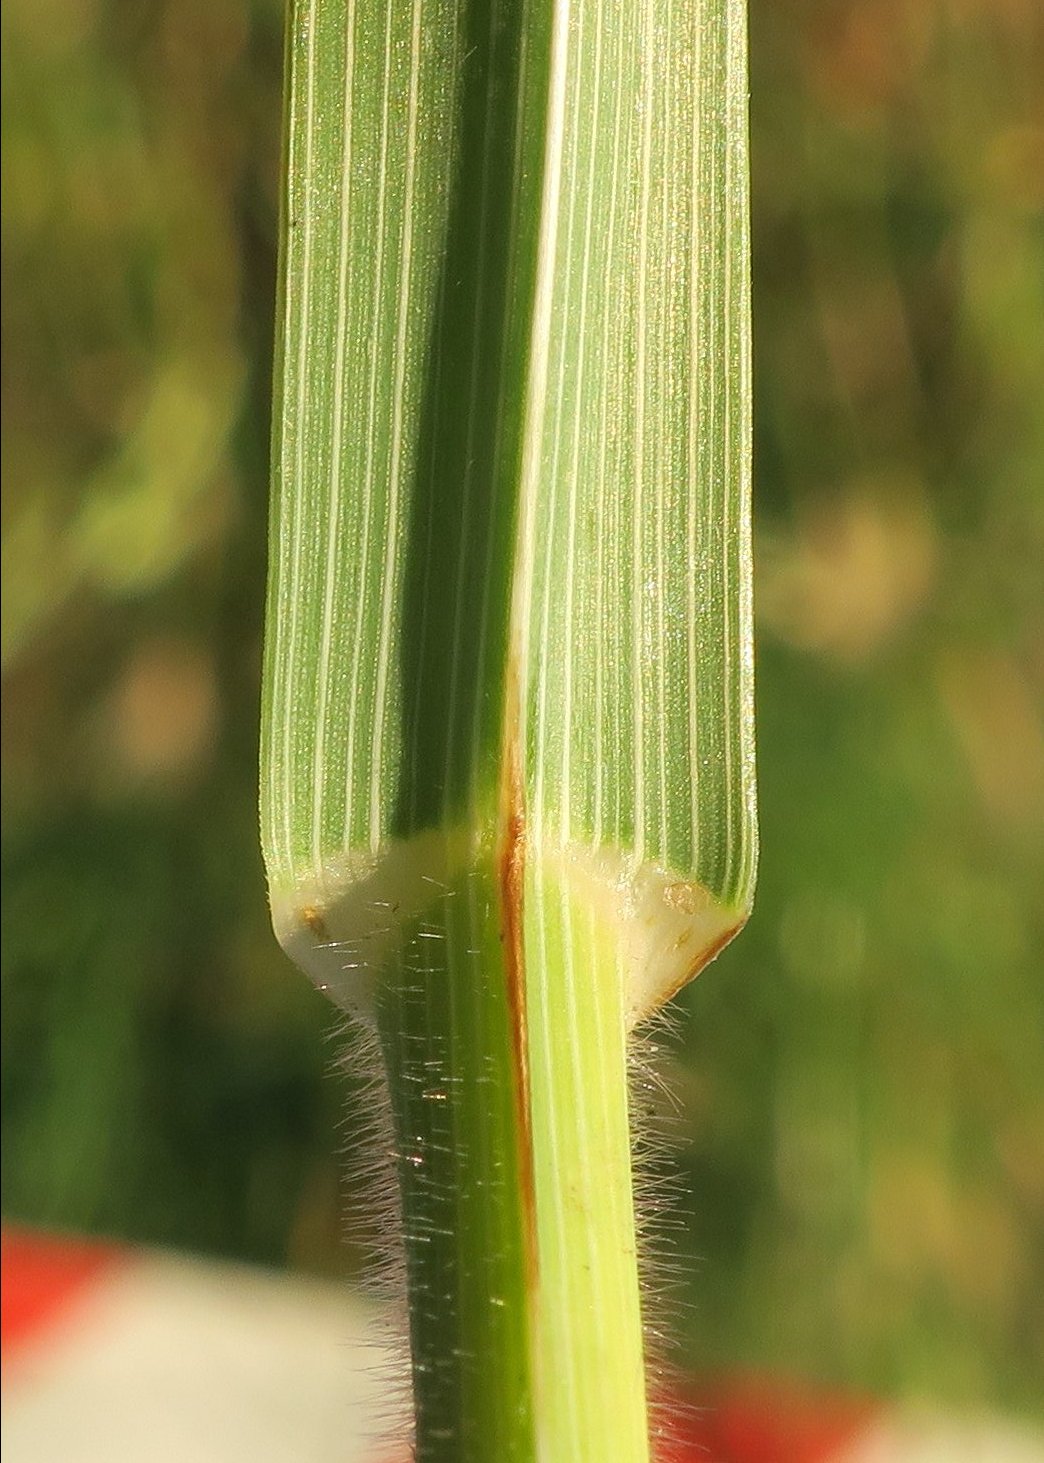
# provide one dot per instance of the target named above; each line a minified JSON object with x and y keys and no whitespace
{"x":861,"y":1077}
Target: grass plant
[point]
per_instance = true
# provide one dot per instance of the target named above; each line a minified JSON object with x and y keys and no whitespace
{"x":507,"y":761}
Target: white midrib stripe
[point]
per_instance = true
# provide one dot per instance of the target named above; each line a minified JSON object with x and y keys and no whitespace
{"x":535,"y":409}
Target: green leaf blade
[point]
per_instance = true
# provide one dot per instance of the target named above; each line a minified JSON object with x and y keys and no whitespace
{"x":633,"y":615}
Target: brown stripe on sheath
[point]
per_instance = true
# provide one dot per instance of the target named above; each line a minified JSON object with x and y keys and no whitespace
{"x":511,"y":882}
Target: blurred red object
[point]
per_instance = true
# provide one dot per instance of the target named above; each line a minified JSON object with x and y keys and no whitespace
{"x":101,"y":1342}
{"x":759,"y":1420}
{"x":43,"y":1276}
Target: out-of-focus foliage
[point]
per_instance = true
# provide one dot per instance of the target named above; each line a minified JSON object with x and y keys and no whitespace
{"x":862,"y":1077}
{"x":162,"y":1067}
{"x":865,"y":1079}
